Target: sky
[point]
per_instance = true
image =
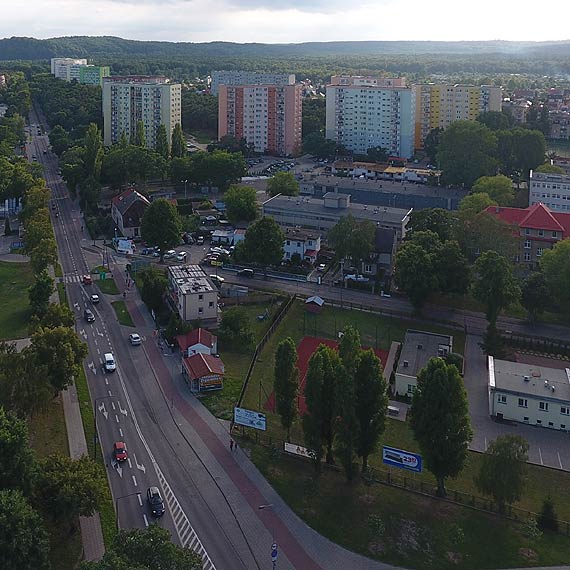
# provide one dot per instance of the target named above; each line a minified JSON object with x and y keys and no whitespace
{"x":281,"y":21}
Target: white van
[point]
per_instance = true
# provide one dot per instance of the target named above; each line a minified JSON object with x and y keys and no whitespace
{"x":109,"y":364}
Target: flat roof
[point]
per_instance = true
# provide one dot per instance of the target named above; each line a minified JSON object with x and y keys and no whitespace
{"x":531,"y":379}
{"x":417,"y":357}
{"x":191,"y":279}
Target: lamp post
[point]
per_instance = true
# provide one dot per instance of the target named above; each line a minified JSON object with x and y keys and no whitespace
{"x":274,"y":547}
{"x":95,"y":423}
{"x":185,"y":182}
{"x":117,"y":504}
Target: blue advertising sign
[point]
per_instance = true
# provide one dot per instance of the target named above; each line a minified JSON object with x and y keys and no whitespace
{"x":402,"y":459}
{"x":249,"y":418}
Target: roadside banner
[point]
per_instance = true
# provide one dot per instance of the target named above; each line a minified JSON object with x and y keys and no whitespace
{"x":402,"y":459}
{"x":249,"y":418}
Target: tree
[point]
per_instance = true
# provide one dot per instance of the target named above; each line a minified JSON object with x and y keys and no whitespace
{"x":286,"y":382}
{"x":414,"y":273}
{"x":139,"y":139}
{"x":315,"y":144}
{"x":496,"y":120}
{"x":93,"y":151}
{"x":218,"y":169}
{"x":39,"y":293}
{"x":377,"y":154}
{"x":472,"y":204}
{"x":162,"y":147}
{"x":241,"y":203}
{"x":346,"y":423}
{"x":549,"y":169}
{"x":24,"y":542}
{"x":263,"y":242}
{"x":495,"y":284}
{"x":503,"y":469}
{"x":349,"y":349}
{"x":498,"y":188}
{"x":178,"y":143}
{"x":520,"y":149}
{"x":351,"y":238}
{"x":493,"y":344}
{"x":435,"y":220}
{"x":535,"y":295}
{"x":57,"y":315}
{"x":371,"y":404}
{"x":61,"y":352}
{"x":146,"y":549}
{"x":43,"y":254}
{"x":59,"y":140}
{"x":431,"y":144}
{"x":555,"y":264}
{"x":161,"y":225}
{"x":283,"y":183}
{"x":452,"y":268}
{"x":440,"y":420}
{"x":17,"y":466}
{"x":152,"y":285}
{"x":68,"y":488}
{"x":547,"y":519}
{"x":466,"y":152}
{"x":235,"y":329}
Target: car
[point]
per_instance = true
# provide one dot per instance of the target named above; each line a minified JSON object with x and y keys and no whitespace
{"x":88,"y":315}
{"x":170,"y":253}
{"x":217,"y":279}
{"x":57,"y":214}
{"x":45,"y":151}
{"x":356,"y":277}
{"x":211,"y":219}
{"x":34,"y":157}
{"x":135,"y":339}
{"x":109,"y":363}
{"x":200,"y":240}
{"x":120,"y":451}
{"x":181,"y":256}
{"x":87,"y":280}
{"x":246,"y":273}
{"x":155,"y":501}
{"x":321,"y":267}
{"x":94,"y":298}
{"x":53,"y":206}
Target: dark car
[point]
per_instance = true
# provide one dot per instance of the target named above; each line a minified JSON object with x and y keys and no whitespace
{"x":155,"y":501}
{"x":89,"y":316}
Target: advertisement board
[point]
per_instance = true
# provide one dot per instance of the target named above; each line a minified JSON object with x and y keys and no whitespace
{"x":298,"y":450}
{"x":249,"y":418}
{"x":401,"y":459}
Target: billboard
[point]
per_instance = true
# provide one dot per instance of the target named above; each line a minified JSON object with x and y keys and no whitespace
{"x":249,"y":418}
{"x":401,"y":459}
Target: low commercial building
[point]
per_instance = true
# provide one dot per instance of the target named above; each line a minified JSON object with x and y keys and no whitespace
{"x":192,"y":294}
{"x":418,"y":348}
{"x":553,"y":190}
{"x":321,"y":214}
{"x":529,"y":394}
{"x":203,"y":372}
{"x":303,"y":243}
{"x":127,"y":211}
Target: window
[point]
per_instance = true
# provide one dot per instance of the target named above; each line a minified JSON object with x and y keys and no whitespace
{"x":200,"y":297}
{"x":538,"y":422}
{"x":525,"y":419}
{"x":562,"y":426}
{"x":554,"y":234}
{"x":527,"y":244}
{"x":411,"y":388}
{"x":539,"y":251}
{"x":541,"y":233}
{"x":200,"y":309}
{"x":211,"y":304}
{"x":565,"y":411}
{"x":502,"y":399}
{"x":523,"y":403}
{"x":527,"y":231}
{"x":543,"y":406}
{"x":527,"y":256}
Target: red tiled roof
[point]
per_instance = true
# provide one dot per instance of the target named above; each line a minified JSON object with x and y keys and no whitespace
{"x":196,"y":336}
{"x":538,"y":217}
{"x":199,"y":365}
{"x":311,"y":252}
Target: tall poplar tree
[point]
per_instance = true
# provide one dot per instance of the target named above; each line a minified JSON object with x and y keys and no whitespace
{"x":162,"y":146}
{"x":286,"y":383}
{"x":178,"y":145}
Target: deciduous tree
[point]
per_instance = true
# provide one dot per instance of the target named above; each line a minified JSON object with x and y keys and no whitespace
{"x":162,"y":147}
{"x":161,"y":225}
{"x":435,"y":220}
{"x":39,"y":293}
{"x":414,"y":273}
{"x":555,"y":264}
{"x":283,"y":183}
{"x":451,"y":267}
{"x":498,"y":188}
{"x":241,"y":203}
{"x":352,"y":238}
{"x":152,"y":284}
{"x":286,"y":382}
{"x":263,"y":242}
{"x":178,"y":143}
{"x":535,"y":295}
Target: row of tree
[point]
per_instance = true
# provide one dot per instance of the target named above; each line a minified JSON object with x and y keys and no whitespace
{"x":16,"y":94}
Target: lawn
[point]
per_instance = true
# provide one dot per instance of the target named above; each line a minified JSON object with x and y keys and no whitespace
{"x":401,"y":527}
{"x":15,"y":279}
{"x":122,"y":313}
{"x":108,"y":286}
{"x":61,"y":293}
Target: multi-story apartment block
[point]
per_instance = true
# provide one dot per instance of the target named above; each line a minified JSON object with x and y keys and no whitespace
{"x":130,"y":99}
{"x":60,"y":65}
{"x":93,"y":74}
{"x":538,"y":228}
{"x":439,"y":105}
{"x":366,"y":112}
{"x":266,"y":116}
{"x":249,"y":78}
{"x":553,"y":190}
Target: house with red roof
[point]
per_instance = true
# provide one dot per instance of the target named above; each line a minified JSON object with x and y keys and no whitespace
{"x":197,"y":341}
{"x":538,"y":229}
{"x":127,"y":210}
{"x":203,"y":372}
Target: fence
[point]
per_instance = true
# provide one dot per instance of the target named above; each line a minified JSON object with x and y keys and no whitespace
{"x":276,"y":320}
{"x":544,"y":346}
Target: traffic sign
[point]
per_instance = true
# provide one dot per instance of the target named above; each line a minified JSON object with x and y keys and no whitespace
{"x":274,"y":552}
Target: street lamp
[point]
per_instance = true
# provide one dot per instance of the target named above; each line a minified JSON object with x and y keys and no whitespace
{"x":95,"y":423}
{"x":274,"y":547}
{"x":117,"y":504}
{"x":185,"y":182}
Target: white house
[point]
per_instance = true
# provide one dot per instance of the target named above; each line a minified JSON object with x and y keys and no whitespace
{"x":198,"y":341}
{"x":417,"y":349}
{"x":127,"y":211}
{"x":304,"y":243}
{"x":529,"y":394}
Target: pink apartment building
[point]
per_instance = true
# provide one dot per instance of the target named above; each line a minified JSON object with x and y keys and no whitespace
{"x":266,"y":116}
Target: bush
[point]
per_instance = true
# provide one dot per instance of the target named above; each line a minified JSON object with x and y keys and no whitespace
{"x":548,"y":520}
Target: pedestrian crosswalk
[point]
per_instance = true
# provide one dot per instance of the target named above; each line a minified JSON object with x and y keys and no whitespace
{"x":72,"y":278}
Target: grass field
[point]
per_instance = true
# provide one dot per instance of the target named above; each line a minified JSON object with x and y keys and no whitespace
{"x":122,"y":313}
{"x":108,"y":286}
{"x":15,"y":279}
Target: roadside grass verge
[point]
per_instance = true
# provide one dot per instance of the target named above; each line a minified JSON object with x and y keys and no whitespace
{"x":58,"y":270}
{"x":61,"y":293}
{"x":15,"y":280}
{"x":107,"y":286}
{"x":122,"y":313}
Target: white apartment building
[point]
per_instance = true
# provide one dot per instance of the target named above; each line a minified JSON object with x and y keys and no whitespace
{"x":553,"y":190}
{"x":249,"y":78}
{"x":529,"y":394}
{"x":60,"y":66}
{"x":366,"y":112}
{"x":303,"y":243}
{"x":192,"y":294}
{"x":130,"y":99}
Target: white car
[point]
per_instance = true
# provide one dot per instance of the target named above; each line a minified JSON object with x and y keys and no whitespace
{"x":94,"y":298}
{"x":135,"y":339}
{"x":321,"y":267}
{"x":357,"y":278}
{"x":109,"y":363}
{"x":181,"y":256}
{"x":170,"y":253}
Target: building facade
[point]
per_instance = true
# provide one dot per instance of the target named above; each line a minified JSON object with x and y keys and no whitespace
{"x":191,"y":293}
{"x":93,"y":74}
{"x":267,"y":116}
{"x":59,"y":66}
{"x":553,"y":190}
{"x":127,"y":211}
{"x":538,"y":229}
{"x":366,"y":112}
{"x":130,"y":99}
{"x":439,"y":105}
{"x":248,"y":78}
{"x":302,"y":243}
{"x":529,"y":394}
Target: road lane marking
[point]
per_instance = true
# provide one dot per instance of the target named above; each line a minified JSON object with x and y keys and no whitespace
{"x":91,"y":367}
{"x":102,"y":409}
{"x":134,"y":481}
{"x":109,"y":392}
{"x":117,"y":418}
{"x":145,"y":520}
{"x":540,"y":455}
{"x":113,"y":405}
{"x":107,"y":381}
{"x":559,"y":460}
{"x":139,"y":498}
{"x":121,"y":432}
{"x":129,"y":462}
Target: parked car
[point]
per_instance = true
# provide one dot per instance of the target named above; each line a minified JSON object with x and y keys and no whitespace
{"x":120,"y":451}
{"x":246,"y":273}
{"x":217,"y":280}
{"x":200,"y":240}
{"x":321,"y":267}
{"x":155,"y":501}
{"x":135,"y":339}
{"x":88,"y":316}
{"x":181,"y":256}
{"x":356,"y":277}
{"x":109,"y":364}
{"x":169,"y":254}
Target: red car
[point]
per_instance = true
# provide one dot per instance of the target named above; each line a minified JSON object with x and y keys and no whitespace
{"x":87,"y":280}
{"x":120,"y":451}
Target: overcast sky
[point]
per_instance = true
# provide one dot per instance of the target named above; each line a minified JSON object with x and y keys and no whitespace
{"x":282,"y":21}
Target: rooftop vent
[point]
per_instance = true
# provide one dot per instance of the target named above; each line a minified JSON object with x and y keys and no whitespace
{"x":552,"y":388}
{"x":526,"y":378}
{"x":406,"y":363}
{"x":420,"y":346}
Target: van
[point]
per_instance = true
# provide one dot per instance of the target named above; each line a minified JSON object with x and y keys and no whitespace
{"x":109,"y":363}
